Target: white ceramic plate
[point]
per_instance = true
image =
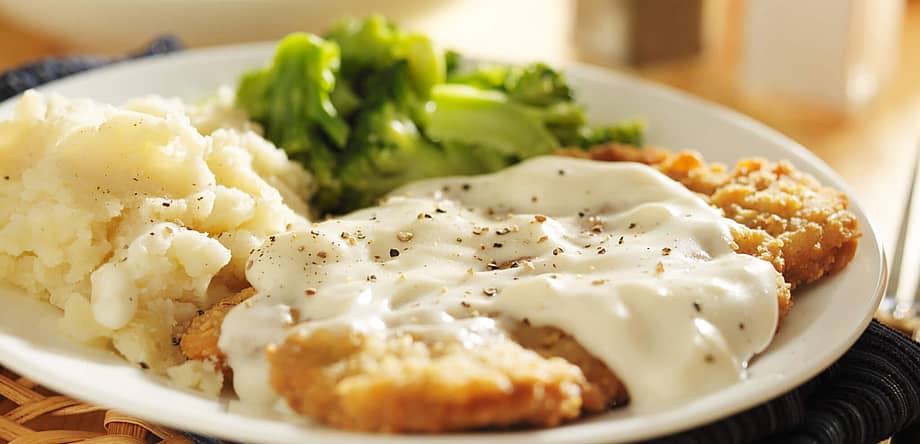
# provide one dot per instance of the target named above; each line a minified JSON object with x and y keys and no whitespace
{"x":827,"y":318}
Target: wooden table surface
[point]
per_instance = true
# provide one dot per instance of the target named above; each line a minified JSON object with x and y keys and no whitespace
{"x":871,"y":150}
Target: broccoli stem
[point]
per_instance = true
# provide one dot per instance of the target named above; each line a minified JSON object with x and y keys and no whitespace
{"x":466,"y":115}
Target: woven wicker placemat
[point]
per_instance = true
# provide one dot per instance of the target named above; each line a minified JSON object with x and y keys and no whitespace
{"x":32,"y":414}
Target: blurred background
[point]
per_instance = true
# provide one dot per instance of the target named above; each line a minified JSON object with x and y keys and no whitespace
{"x":842,"y":77}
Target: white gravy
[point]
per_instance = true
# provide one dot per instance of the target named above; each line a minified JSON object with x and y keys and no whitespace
{"x":633,"y":265}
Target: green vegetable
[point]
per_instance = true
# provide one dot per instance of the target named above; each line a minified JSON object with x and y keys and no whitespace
{"x":291,"y":99}
{"x":538,"y":85}
{"x":630,"y":133}
{"x":535,"y":84}
{"x":387,"y":148}
{"x":487,"y":76}
{"x":451,"y":61}
{"x":375,"y":44}
{"x":546,"y":93}
{"x":344,"y":99}
{"x":374,"y":106}
{"x":365,"y":45}
{"x":391,"y":151}
{"x":471,"y":116}
{"x":295,"y":90}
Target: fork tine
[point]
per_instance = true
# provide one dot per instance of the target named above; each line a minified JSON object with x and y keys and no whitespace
{"x":904,"y":303}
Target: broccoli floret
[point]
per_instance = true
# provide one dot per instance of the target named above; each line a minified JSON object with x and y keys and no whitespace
{"x":387,"y":149}
{"x":391,"y":151}
{"x":322,"y":162}
{"x":291,"y":100}
{"x":537,"y":84}
{"x":427,"y":67}
{"x":470,"y":116}
{"x":374,"y":44}
{"x":390,"y":84}
{"x":294,"y":91}
{"x":545,"y":93}
{"x":630,"y":133}
{"x":344,"y":99}
{"x":452,"y":62}
{"x":485,"y":76}
{"x":384,"y":151}
{"x":365,"y":44}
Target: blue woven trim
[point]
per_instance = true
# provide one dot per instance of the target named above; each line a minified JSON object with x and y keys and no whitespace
{"x":38,"y":73}
{"x":198,"y":439}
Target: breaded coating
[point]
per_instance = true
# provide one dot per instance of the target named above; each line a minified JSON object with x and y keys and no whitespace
{"x":406,"y":385}
{"x":539,"y":376}
{"x":518,"y":387}
{"x":199,"y":341}
{"x":802,"y":227}
{"x":602,"y":388}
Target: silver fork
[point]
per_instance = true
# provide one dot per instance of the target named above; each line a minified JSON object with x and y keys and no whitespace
{"x":899,"y":307}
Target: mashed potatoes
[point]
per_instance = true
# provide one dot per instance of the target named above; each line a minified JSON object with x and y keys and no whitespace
{"x":133,"y":219}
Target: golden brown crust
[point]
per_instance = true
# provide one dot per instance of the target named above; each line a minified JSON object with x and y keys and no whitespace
{"x":199,"y":341}
{"x":415,"y":387}
{"x":602,"y":388}
{"x":802,"y":227}
{"x":540,"y":377}
{"x":405,"y":385}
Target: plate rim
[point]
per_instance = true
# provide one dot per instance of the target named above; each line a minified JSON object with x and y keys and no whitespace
{"x":548,"y":435}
